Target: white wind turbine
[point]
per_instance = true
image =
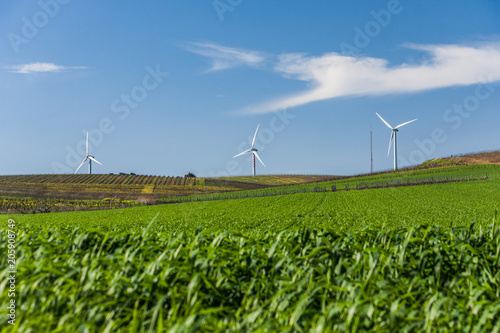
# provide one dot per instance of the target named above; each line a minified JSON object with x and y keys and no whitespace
{"x":394,"y":131}
{"x":88,"y":157}
{"x":253,"y":151}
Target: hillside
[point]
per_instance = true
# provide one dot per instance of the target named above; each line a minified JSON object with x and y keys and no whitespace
{"x":130,"y":187}
{"x":46,"y":193}
{"x":407,"y":177}
{"x":492,"y":157}
{"x":49,"y":193}
{"x":276,"y":180}
{"x":136,"y":187}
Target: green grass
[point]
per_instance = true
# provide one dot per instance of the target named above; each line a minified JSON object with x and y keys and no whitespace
{"x":418,"y":258}
{"x":422,"y":279}
{"x":468,"y":171}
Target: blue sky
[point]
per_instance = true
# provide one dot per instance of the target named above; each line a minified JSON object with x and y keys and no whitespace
{"x":167,"y":87}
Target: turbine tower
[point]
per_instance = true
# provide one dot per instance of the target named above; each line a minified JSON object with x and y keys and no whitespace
{"x":371,"y":152}
{"x":88,"y":157}
{"x":254,"y":153}
{"x":394,"y":131}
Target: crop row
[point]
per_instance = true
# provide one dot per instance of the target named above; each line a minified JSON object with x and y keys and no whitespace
{"x":102,"y":179}
{"x":89,"y":191}
{"x":280,"y":180}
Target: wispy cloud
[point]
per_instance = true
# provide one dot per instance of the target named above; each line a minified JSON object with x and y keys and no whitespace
{"x":41,"y":67}
{"x":334,"y":75}
{"x":226,"y":57}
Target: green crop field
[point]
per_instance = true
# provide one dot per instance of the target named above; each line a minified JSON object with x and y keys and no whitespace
{"x":56,"y":193}
{"x":402,"y":178}
{"x":450,"y":204}
{"x":416,"y":258}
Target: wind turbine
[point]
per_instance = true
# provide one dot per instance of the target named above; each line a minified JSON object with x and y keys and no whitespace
{"x":394,"y":131}
{"x":253,"y":151}
{"x":88,"y":157}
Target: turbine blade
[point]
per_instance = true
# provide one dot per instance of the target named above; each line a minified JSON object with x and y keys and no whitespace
{"x":87,"y":144}
{"x":257,"y":155}
{"x":93,"y":159}
{"x":84,"y":160}
{"x":401,"y":125}
{"x":385,"y":122}
{"x":243,"y":153}
{"x":390,"y":143}
{"x":254,"y":136}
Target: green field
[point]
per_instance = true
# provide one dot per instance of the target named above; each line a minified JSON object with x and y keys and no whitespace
{"x":401,"y":178}
{"x":450,"y":204}
{"x":57,"y":193}
{"x":414,"y":258}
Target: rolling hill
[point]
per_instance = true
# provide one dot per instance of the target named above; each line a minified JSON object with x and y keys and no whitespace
{"x":492,"y":157}
{"x":45,"y":193}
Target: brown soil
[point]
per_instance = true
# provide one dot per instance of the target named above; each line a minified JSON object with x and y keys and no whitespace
{"x":492,"y":157}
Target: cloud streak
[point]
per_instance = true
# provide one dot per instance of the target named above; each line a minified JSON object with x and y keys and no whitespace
{"x":334,"y":75}
{"x":224,"y":57}
{"x":41,"y":67}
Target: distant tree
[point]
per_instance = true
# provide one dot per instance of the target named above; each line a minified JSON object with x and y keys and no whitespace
{"x":132,"y":174}
{"x":190,"y":175}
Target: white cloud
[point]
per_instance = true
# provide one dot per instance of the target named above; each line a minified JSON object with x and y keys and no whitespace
{"x":334,"y":75}
{"x":40,"y":67}
{"x":226,"y":57}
